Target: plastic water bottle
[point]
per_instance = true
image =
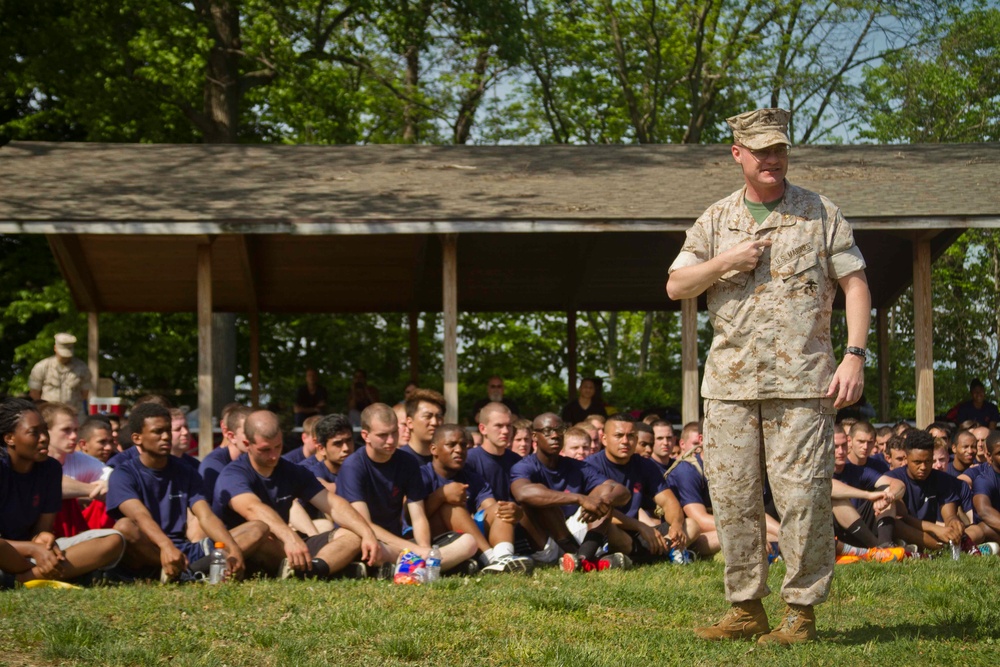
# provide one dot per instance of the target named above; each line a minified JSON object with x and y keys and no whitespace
{"x":955,"y":550}
{"x":434,"y":565}
{"x":217,"y":566}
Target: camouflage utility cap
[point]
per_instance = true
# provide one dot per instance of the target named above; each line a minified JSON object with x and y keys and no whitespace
{"x":761,"y":128}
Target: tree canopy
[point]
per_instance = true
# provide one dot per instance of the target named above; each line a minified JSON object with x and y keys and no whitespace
{"x":486,"y":71}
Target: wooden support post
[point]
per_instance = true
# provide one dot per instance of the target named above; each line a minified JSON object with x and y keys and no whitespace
{"x":205,"y":407}
{"x":923,"y":331}
{"x":449,"y":271}
{"x":689,"y":360}
{"x":254,"y":359}
{"x":414,"y":347}
{"x":884,"y":356}
{"x":93,"y":350}
{"x":571,"y":353}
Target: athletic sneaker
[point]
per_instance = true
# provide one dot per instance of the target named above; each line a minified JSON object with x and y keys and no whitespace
{"x":469,"y":568}
{"x":573,"y":563}
{"x":510,"y":563}
{"x":615,"y":561}
{"x":680,"y":556}
{"x":285,"y":570}
{"x":386,"y":571}
{"x":967,"y":546}
{"x":354,"y":570}
{"x":989,"y":548}
{"x":548,"y":554}
{"x":887,"y":555}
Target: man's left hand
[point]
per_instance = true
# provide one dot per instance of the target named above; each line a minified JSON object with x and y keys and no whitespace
{"x":848,"y":382}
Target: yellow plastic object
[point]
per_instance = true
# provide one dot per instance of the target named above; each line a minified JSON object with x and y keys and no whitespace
{"x":51,"y":583}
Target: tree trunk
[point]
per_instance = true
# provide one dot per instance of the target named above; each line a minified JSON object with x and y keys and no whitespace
{"x":222,"y":85}
{"x":647,"y":334}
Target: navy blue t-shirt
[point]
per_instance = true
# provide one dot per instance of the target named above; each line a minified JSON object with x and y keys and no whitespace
{"x":479,"y":490}
{"x":381,"y":486}
{"x":689,"y":485}
{"x":167,"y":493}
{"x":25,"y":497}
{"x":121,"y":457}
{"x":860,"y":477}
{"x":972,"y":472}
{"x":210,"y":469}
{"x":319,"y":469}
{"x":662,"y":468}
{"x":419,"y":458}
{"x":188,"y":460}
{"x":570,"y":476}
{"x":494,"y":469}
{"x":987,"y":483}
{"x":640,"y":476}
{"x":879,"y":465}
{"x":955,"y":473}
{"x":296,"y":456}
{"x":286,"y":483}
{"x":925,"y":499}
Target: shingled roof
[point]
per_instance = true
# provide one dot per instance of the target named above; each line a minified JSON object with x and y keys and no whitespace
{"x":354,"y":224}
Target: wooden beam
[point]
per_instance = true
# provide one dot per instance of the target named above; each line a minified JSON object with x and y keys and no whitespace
{"x":923,"y":331}
{"x":882,"y":331}
{"x":205,"y":408}
{"x":414,"y":347}
{"x":72,"y":263}
{"x":571,"y":357}
{"x":93,"y":350}
{"x":689,"y":361}
{"x":255,"y":359}
{"x":449,"y":271}
{"x":247,"y":255}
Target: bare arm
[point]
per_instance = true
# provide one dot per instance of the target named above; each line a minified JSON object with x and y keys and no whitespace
{"x":699,"y":513}
{"x":172,"y":559}
{"x":394,"y":541}
{"x":987,"y":513}
{"x":250,"y":507}
{"x":849,"y":380}
{"x":539,"y":495}
{"x":344,"y":514}
{"x":421,"y":526}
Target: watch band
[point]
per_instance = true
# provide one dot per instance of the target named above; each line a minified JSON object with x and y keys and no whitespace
{"x":857,"y":351}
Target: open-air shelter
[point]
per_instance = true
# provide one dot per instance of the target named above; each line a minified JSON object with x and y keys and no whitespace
{"x":256,"y":228}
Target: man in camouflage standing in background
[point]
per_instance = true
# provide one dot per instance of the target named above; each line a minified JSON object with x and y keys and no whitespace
{"x":770,"y":257}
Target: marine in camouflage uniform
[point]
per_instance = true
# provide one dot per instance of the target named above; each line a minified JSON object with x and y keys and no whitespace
{"x":771,"y":385}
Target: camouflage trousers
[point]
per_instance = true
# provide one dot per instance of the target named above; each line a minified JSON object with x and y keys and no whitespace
{"x":792,"y":439}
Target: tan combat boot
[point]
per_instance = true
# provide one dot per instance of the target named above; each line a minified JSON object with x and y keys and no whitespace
{"x":744,"y":620}
{"x":797,"y":625}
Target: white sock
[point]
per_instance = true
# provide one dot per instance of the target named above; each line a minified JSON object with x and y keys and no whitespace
{"x":488,"y":555}
{"x":502,"y":549}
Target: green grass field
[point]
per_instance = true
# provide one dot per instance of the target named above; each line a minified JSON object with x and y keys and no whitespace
{"x":912,"y":613}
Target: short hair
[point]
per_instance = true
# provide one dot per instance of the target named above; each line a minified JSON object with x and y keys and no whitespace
{"x":883,"y":431}
{"x":917,"y":439}
{"x":253,"y":427}
{"x":379,"y":411}
{"x":158,"y":399}
{"x":177,"y":413}
{"x":968,"y":425}
{"x":329,"y":426}
{"x":444,"y":429}
{"x":861,"y":426}
{"x":600,"y":419}
{"x":847,"y":423}
{"x":895,"y":441}
{"x":523,"y":425}
{"x":91,"y":425}
{"x":976,"y":383}
{"x":236,"y":416}
{"x":140,"y":413}
{"x":309,"y":425}
{"x":620,"y":417}
{"x":689,"y":428}
{"x":576,"y":432}
{"x":425,"y":396}
{"x":941,"y":426}
{"x":487,"y":411}
{"x":900,"y":427}
{"x":52,"y":410}
{"x":226,"y":409}
{"x":663,"y":422}
{"x":941,"y":444}
{"x":992,"y":440}
{"x":959,"y":434}
{"x":643,"y":427}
